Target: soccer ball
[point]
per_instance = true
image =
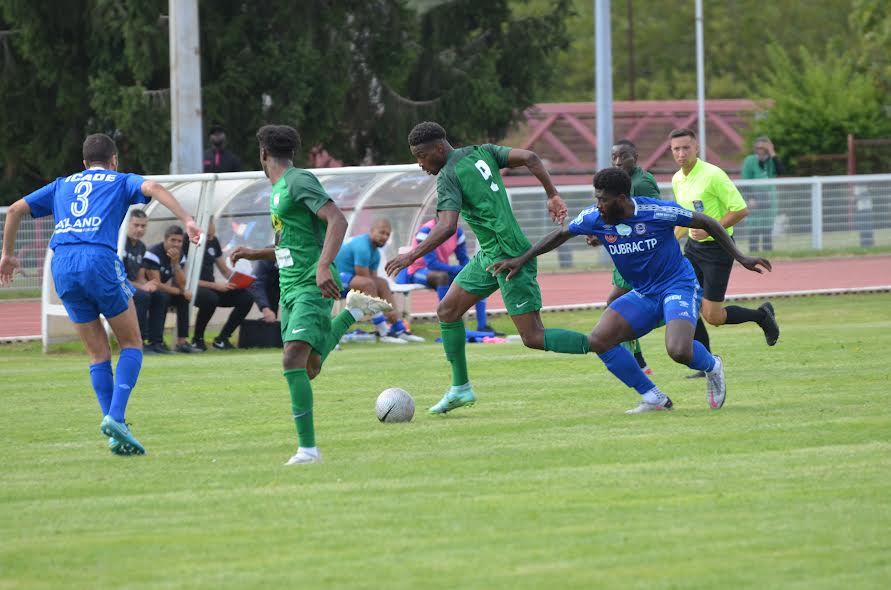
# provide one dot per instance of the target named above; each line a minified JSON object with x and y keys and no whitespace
{"x":394,"y":405}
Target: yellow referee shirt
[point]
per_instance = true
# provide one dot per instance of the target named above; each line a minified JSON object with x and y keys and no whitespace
{"x":707,"y":189}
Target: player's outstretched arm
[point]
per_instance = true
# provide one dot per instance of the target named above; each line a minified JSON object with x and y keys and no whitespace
{"x":9,"y":263}
{"x":553,"y":240}
{"x":337,"y":226}
{"x":717,"y":231}
{"x":446,"y":225}
{"x":153,"y":189}
{"x":245,"y":253}
{"x":520,"y":157}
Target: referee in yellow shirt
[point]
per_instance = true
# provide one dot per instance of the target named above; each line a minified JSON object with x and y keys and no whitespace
{"x":703,"y":187}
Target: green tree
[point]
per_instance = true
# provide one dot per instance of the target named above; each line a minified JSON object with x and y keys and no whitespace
{"x":817,"y":103}
{"x":352,"y":75}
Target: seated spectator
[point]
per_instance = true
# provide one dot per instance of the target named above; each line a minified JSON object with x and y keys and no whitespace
{"x":357,"y":262}
{"x":435,"y":270}
{"x":265,"y":290}
{"x":212,"y":294}
{"x":160,"y":267}
{"x":150,"y":303}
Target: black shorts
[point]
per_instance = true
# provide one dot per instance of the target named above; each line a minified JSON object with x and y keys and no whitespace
{"x":712,"y":265}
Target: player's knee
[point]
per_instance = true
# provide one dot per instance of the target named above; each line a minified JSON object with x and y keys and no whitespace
{"x":597,"y":343}
{"x":680,"y":353}
{"x":533,"y":339}
{"x":714,"y":316}
{"x":446,"y":312}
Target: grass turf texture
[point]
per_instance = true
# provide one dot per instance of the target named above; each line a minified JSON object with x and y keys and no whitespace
{"x":544,"y":483}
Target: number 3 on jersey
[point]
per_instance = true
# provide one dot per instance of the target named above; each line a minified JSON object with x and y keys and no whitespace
{"x":487,"y":173}
{"x":82,"y":191}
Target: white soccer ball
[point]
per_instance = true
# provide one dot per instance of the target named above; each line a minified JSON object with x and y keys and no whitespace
{"x":394,"y":405}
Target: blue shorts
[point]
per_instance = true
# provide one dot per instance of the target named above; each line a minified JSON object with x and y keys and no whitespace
{"x":90,"y":280}
{"x":345,"y":278}
{"x":418,"y":278}
{"x":645,"y":312}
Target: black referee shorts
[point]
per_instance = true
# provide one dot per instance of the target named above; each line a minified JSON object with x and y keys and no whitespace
{"x":712,"y":265}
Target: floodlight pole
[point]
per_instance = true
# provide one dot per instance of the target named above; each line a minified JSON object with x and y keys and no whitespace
{"x":700,"y":78}
{"x":603,"y":71}
{"x":185,"y":88}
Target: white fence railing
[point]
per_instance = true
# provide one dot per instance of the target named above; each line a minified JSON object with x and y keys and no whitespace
{"x":810,"y":214}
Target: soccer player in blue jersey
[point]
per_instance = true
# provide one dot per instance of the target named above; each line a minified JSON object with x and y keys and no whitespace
{"x":88,"y":208}
{"x":638,"y":233}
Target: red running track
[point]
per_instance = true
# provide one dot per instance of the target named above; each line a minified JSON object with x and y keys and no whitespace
{"x":22,"y":318}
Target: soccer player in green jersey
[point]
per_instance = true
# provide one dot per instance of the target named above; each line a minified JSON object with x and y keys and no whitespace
{"x":469,"y":183}
{"x":309,"y":231}
{"x":643,"y":184}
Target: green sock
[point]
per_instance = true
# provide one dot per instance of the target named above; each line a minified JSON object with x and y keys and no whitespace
{"x":567,"y":341}
{"x":339,"y":326}
{"x":454,"y":339}
{"x":632,"y":346}
{"x":301,"y":406}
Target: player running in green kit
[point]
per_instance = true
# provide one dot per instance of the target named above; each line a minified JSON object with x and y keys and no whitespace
{"x":309,"y":231}
{"x":469,"y":183}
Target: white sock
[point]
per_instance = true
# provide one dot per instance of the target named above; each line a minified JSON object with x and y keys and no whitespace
{"x":381,"y":324}
{"x":461,"y":388}
{"x":716,"y":367}
{"x":314,"y":451}
{"x":357,"y":313}
{"x":653,"y":396}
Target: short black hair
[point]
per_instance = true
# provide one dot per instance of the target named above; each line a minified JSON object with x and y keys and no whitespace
{"x":99,"y":149}
{"x":615,"y":181}
{"x":173,"y":230}
{"x":137,"y":213}
{"x":682,"y":132}
{"x":629,"y":143}
{"x":281,"y":141}
{"x":425,"y":133}
{"x":216,"y":128}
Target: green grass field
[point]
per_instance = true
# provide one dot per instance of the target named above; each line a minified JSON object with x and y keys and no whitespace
{"x":545,"y":483}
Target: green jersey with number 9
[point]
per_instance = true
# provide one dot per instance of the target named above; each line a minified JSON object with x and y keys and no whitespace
{"x":299,"y":233}
{"x":470,"y":182}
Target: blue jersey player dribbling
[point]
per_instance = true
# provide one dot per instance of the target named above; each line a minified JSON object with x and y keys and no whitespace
{"x":88,"y":208}
{"x":638,"y":233}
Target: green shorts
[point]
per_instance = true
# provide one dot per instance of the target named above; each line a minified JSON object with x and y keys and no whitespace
{"x":620,"y":282}
{"x":521,"y":294}
{"x":307,"y":317}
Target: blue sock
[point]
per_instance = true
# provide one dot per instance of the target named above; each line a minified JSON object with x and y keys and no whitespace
{"x":398,"y":328}
{"x":481,"y":314}
{"x":126,"y":374}
{"x":702,"y":358}
{"x":103,"y":384}
{"x":441,"y":291}
{"x":621,"y":363}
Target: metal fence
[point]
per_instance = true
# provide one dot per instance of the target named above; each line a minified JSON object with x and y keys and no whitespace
{"x":800,"y":215}
{"x":30,"y":247}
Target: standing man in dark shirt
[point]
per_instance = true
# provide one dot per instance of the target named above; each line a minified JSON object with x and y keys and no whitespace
{"x":218,"y":158}
{"x":150,"y":303}
{"x":212,"y":294}
{"x":160,"y":266}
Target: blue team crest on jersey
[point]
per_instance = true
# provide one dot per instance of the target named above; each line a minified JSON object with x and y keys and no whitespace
{"x":623,"y":230}
{"x":640,"y":228}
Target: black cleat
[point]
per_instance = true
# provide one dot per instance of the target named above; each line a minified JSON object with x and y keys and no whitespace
{"x":199,"y":344}
{"x":769,"y":324}
{"x":157,"y":348}
{"x":223,"y":344}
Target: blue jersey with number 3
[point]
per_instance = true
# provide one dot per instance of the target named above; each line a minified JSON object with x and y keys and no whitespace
{"x":88,"y":207}
{"x":643,"y":247}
